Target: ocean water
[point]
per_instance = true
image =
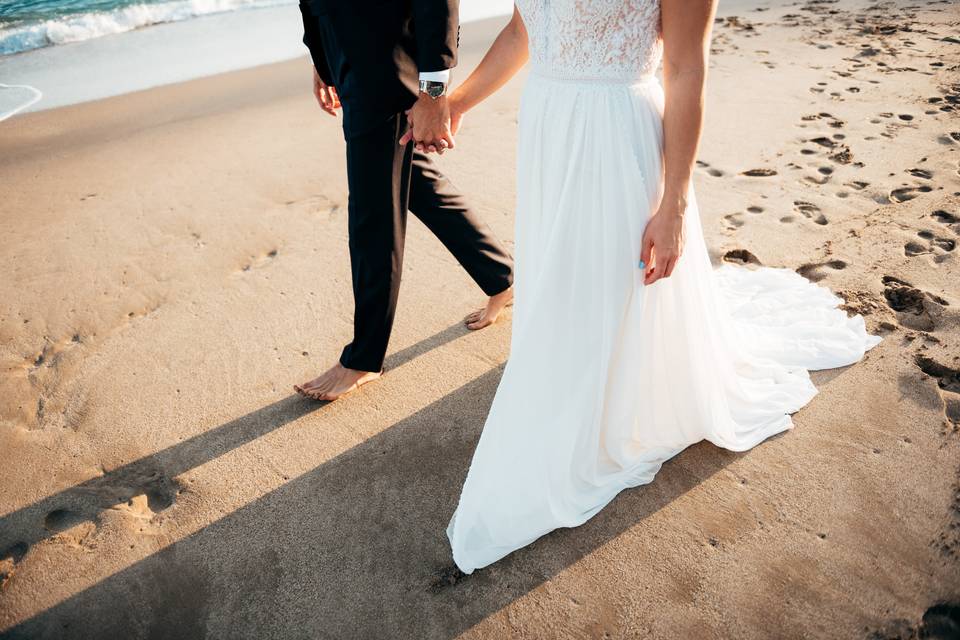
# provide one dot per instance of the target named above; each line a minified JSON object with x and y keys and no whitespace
{"x":33,"y":24}
{"x":60,"y":52}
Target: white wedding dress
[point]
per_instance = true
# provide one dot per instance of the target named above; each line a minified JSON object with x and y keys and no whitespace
{"x":608,"y":378}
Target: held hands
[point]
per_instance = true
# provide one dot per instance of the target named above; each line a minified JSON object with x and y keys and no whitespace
{"x":432,"y":124}
{"x":663,"y":241}
{"x":326,"y":95}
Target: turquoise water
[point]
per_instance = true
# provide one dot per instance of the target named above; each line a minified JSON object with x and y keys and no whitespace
{"x":35,"y":24}
{"x":146,"y":43}
{"x":20,"y":11}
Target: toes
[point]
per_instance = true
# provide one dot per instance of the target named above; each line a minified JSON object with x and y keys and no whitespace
{"x":319,"y":396}
{"x":306,"y":388}
{"x":329,"y":394}
{"x":475,"y":326}
{"x":474,"y":317}
{"x":317,"y":389}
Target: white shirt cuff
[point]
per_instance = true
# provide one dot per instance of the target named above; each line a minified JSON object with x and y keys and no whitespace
{"x":436,"y":76}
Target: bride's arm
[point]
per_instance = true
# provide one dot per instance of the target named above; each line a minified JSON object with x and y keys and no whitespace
{"x":505,"y":57}
{"x":686,"y":45}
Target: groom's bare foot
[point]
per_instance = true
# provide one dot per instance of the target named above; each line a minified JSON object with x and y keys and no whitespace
{"x":336,"y":382}
{"x":488,"y":315}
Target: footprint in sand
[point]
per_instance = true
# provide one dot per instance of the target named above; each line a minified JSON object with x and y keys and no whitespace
{"x":60,"y":520}
{"x":741,"y":256}
{"x":445,"y":577}
{"x":823,"y":141}
{"x":903,"y":194}
{"x":69,"y":527}
{"x":811,"y":211}
{"x":821,"y":180}
{"x":52,"y":352}
{"x":942,"y":620}
{"x":733,"y":221}
{"x":916,"y":309}
{"x":815,"y":272}
{"x":842,"y":155}
{"x":9,"y":560}
{"x":920,"y":173}
{"x":930,"y":244}
{"x":948,"y":384}
{"x":713,"y":171}
{"x":259,"y":260}
{"x":945,"y":217}
{"x":832,"y":120}
{"x":759,"y":173}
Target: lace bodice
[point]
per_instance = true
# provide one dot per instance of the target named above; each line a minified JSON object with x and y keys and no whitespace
{"x":615,"y":40}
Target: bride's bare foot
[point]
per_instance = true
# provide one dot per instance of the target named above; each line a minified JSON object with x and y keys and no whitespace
{"x":488,"y":315}
{"x":336,"y":382}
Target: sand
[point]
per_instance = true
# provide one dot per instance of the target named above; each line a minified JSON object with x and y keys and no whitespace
{"x":174,"y":260}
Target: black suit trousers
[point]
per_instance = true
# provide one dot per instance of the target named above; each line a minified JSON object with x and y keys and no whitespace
{"x":385,"y":180}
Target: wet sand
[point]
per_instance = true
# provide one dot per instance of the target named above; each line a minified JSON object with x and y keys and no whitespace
{"x":174,"y":260}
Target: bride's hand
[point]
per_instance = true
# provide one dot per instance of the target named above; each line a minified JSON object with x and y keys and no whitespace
{"x":663,"y":241}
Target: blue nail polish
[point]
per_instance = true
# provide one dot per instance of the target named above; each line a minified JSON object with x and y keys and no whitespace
{"x":641,"y":265}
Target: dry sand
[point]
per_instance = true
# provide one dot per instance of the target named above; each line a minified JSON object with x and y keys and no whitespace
{"x":174,"y":260}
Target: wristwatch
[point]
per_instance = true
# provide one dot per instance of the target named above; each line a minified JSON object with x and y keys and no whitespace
{"x":433,"y":88}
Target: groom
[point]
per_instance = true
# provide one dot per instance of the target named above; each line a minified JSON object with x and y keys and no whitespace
{"x":377,"y":60}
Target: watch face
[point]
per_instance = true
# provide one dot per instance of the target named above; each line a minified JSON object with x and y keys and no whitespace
{"x":435,"y":90}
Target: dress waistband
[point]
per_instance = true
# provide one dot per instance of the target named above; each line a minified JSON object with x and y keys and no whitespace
{"x":614,"y":82}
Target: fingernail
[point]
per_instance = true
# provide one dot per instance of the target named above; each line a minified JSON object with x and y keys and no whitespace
{"x":641,"y":265}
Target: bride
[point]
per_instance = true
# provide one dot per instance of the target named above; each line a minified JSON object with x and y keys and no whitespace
{"x":627,"y":345}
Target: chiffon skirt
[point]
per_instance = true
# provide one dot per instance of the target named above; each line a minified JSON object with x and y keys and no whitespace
{"x":608,"y":378}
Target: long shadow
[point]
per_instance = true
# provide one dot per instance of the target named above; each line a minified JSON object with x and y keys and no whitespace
{"x":350,"y":549}
{"x":154,"y":475}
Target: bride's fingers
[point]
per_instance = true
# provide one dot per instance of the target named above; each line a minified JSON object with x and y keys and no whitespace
{"x":656,"y":272}
{"x":670,"y":266}
{"x":646,"y":250}
{"x":448,"y":139}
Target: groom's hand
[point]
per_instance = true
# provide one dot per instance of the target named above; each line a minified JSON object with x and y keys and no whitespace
{"x":429,"y":121}
{"x":326,"y":95}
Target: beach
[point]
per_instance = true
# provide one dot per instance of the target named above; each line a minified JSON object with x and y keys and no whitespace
{"x":175,"y":259}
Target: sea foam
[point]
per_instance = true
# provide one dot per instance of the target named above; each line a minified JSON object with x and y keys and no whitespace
{"x":84,"y":26}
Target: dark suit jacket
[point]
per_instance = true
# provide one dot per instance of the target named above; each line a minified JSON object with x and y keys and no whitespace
{"x":373,"y":50}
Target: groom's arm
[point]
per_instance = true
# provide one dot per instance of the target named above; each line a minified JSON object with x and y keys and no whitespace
{"x":436,"y":24}
{"x":311,"y":38}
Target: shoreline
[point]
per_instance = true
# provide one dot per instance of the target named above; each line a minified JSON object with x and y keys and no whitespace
{"x":175,"y":259}
{"x":173,"y":52}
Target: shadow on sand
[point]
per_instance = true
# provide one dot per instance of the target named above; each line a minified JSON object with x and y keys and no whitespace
{"x":350,"y":549}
